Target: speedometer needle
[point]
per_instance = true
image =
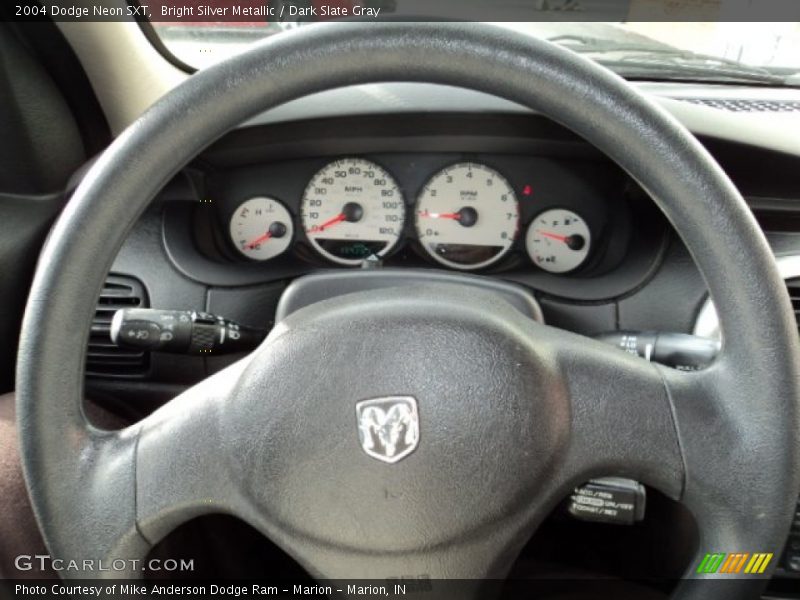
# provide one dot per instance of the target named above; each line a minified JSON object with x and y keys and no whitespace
{"x":329,"y":223}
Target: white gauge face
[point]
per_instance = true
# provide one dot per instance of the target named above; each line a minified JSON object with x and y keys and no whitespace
{"x":353,"y":209}
{"x":261,"y":228}
{"x":558,"y":240}
{"x":467,"y":216}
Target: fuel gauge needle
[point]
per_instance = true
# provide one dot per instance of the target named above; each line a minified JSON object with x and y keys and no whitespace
{"x":553,"y":236}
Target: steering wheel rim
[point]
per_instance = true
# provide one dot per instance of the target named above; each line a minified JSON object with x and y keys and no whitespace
{"x":749,"y":397}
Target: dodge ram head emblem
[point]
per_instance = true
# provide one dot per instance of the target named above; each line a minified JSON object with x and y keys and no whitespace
{"x":388,"y":427}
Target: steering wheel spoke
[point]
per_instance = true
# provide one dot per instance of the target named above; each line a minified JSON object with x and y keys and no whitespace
{"x":723,"y":426}
{"x":621,"y":419}
{"x":181,"y":472}
{"x":101,"y":511}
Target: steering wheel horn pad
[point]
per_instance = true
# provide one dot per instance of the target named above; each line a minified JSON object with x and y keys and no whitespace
{"x":511,"y":413}
{"x":498,"y":435}
{"x":482,"y":399}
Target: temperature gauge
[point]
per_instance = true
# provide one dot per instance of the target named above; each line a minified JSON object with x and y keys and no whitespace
{"x":261,"y":228}
{"x":558,"y":240}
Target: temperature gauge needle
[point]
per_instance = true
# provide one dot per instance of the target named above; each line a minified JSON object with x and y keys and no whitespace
{"x":276,"y":230}
{"x":329,"y":223}
{"x":259,"y":240}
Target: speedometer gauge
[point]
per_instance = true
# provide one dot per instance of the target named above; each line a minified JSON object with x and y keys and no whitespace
{"x":261,"y":228}
{"x":352,"y":209}
{"x":467,"y":216}
{"x":558,"y":240}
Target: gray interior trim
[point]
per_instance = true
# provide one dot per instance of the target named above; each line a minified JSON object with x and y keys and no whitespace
{"x":774,"y":131}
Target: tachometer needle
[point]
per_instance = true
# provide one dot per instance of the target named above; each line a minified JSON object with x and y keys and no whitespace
{"x":432,"y":215}
{"x":466,"y":217}
{"x":329,"y":223}
{"x":259,"y":240}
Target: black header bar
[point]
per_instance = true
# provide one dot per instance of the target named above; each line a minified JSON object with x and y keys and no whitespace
{"x":248,"y":12}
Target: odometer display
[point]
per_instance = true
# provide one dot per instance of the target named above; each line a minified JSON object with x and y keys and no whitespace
{"x":352,"y":209}
{"x":467,"y":216}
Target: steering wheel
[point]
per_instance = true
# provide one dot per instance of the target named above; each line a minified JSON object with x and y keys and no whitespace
{"x":511,"y":414}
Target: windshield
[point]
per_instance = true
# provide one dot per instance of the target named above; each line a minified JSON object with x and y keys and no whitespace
{"x":767,"y":53}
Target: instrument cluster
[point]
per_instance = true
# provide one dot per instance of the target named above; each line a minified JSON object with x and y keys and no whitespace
{"x":462,"y":213}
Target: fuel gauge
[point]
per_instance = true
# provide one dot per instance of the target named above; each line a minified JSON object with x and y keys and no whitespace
{"x":558,"y":240}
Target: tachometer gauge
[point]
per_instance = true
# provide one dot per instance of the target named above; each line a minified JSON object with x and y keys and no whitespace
{"x":261,"y":228}
{"x":352,"y":209}
{"x":558,"y":240}
{"x":467,"y":216}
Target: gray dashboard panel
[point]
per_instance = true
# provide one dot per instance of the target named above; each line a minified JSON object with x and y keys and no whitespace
{"x":766,"y":130}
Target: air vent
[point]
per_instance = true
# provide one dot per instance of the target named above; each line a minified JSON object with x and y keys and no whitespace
{"x":740,"y":105}
{"x":793,"y":286}
{"x":104,"y":358}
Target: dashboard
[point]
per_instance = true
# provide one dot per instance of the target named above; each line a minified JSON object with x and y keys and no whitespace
{"x":506,"y":196}
{"x":454,"y":193}
{"x":467,"y":213}
{"x":513,"y":197}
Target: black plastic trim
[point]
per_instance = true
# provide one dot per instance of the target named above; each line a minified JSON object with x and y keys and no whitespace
{"x":330,"y":284}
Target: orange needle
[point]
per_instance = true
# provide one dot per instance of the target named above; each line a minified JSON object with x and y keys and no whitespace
{"x":258,"y":240}
{"x":554,"y":236}
{"x":329,"y":223}
{"x":456,"y":216}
